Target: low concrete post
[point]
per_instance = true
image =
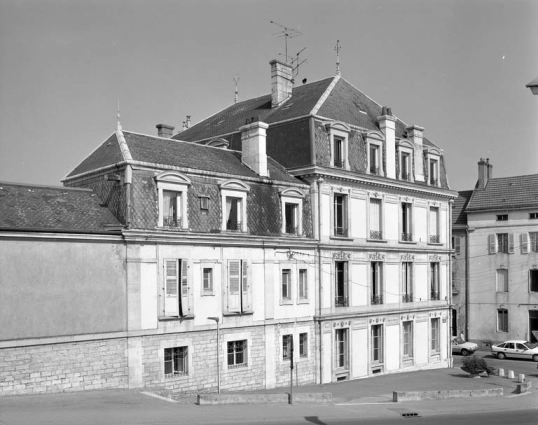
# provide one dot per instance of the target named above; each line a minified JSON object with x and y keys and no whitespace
{"x":501,"y":372}
{"x":510,"y":374}
{"x":521,"y":378}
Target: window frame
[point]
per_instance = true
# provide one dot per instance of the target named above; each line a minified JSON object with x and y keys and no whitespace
{"x":503,"y":243}
{"x":407,"y":339}
{"x":293,"y":197}
{"x":303,"y":345}
{"x":533,"y":280}
{"x":185,"y":361}
{"x":506,"y":281}
{"x":245,"y":353}
{"x":434,"y":232}
{"x":405,"y":149}
{"x":341,"y":351}
{"x":234,"y":189}
{"x":286,"y":346}
{"x":339,"y":131}
{"x":302,"y":286}
{"x":286,"y":298}
{"x":341,"y":300}
{"x":502,"y":320}
{"x":210,"y":289}
{"x":377,"y":286}
{"x":376,"y":235}
{"x":345,"y":232}
{"x":433,"y":156}
{"x":407,"y":288}
{"x":375,"y":140}
{"x":377,"y":351}
{"x":435,"y":280}
{"x":533,"y":215}
{"x":435,"y":336}
{"x":502,"y":217}
{"x":240,"y":301}
{"x":178,"y":183}
{"x":178,"y":303}
{"x":408,"y":236}
{"x":533,"y":241}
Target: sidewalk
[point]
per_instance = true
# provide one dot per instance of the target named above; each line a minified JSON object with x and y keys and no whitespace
{"x":379,"y":389}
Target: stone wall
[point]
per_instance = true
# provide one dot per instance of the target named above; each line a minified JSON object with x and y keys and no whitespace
{"x":63,"y":367}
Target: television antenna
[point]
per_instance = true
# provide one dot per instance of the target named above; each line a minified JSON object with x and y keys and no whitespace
{"x":296,"y":62}
{"x":236,"y":98}
{"x":286,"y":33}
{"x":337,"y":48}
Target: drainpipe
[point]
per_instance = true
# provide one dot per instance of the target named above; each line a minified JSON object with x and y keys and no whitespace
{"x":320,"y":181}
{"x":468,"y":231}
{"x":449,"y":286}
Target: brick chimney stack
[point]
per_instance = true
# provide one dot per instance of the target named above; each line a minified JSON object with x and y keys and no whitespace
{"x":485,"y":172}
{"x":165,"y":130}
{"x":281,"y":82}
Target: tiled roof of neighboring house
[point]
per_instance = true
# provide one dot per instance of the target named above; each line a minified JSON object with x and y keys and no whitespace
{"x":459,"y":216}
{"x":169,"y":152}
{"x":505,"y":193}
{"x":24,"y":206}
{"x":344,"y":103}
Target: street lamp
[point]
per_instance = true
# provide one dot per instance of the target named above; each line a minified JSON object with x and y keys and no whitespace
{"x":216,"y":319}
{"x":533,"y":85}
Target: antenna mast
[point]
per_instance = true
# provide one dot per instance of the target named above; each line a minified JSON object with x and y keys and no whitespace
{"x":236,"y":98}
{"x":286,"y":33}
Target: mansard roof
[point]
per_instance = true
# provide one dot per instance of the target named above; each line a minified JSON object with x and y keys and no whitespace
{"x":333,"y":98}
{"x":24,"y":206}
{"x":163,"y":152}
{"x":505,"y":193}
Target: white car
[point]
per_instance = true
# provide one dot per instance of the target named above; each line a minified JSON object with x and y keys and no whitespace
{"x":516,"y":349}
{"x":462,"y":347}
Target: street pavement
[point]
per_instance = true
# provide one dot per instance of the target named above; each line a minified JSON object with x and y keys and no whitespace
{"x":366,"y":400}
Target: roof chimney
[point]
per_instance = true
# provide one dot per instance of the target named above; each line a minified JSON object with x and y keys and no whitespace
{"x":281,"y":82}
{"x":387,"y":124}
{"x":188,"y":122}
{"x":416,"y":135}
{"x":253,"y":145}
{"x":485,"y":172}
{"x":165,"y":130}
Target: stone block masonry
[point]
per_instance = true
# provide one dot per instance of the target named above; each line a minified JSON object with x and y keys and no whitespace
{"x":63,"y":367}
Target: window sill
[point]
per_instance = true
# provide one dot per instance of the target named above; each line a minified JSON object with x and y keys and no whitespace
{"x":207,"y":294}
{"x":286,"y":302}
{"x":436,"y":243}
{"x":408,"y":242}
{"x":341,"y":238}
{"x":303,"y":301}
{"x":377,"y":240}
{"x":237,"y":313}
{"x":172,"y":318}
{"x":175,"y":229}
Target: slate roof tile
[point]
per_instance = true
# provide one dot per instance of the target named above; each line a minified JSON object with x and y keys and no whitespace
{"x":24,"y":206}
{"x":505,"y":193}
{"x":459,"y":216}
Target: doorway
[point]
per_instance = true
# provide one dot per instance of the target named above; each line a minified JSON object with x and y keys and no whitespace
{"x":533,"y":325}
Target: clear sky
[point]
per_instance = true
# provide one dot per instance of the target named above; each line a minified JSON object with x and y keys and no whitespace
{"x":458,"y":68}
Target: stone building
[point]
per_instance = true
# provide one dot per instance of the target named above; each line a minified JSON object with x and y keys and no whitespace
{"x":500,"y":221}
{"x":381,"y":210}
{"x":310,"y":218}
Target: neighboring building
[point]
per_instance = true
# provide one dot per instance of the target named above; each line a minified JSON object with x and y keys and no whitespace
{"x":309,"y":218}
{"x":381,"y":212}
{"x":502,"y":257}
{"x":63,"y":296}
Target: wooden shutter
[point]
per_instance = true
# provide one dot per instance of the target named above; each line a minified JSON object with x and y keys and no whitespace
{"x":525,"y":243}
{"x":246,"y":287}
{"x":171,"y":299}
{"x":234,"y":286}
{"x":346,"y":284}
{"x":492,"y":243}
{"x":510,"y":243}
{"x":185,"y":304}
{"x":457,"y":245}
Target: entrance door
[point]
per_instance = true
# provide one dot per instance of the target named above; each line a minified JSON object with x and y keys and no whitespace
{"x":454,"y":322}
{"x":533,"y":325}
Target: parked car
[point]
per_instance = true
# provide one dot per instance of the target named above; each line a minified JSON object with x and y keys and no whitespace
{"x":516,"y":349}
{"x":462,"y":347}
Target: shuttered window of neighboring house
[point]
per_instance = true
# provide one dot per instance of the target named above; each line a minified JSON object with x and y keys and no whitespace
{"x":492,"y":244}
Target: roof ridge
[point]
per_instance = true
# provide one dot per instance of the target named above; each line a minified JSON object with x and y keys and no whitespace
{"x":325,"y":95}
{"x":124,"y":147}
{"x":512,"y":177}
{"x":45,"y":186}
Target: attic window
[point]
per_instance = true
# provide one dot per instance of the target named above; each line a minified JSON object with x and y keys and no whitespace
{"x":204,"y":202}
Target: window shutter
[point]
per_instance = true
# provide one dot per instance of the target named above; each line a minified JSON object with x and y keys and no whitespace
{"x":185,"y":304}
{"x":525,"y":243}
{"x":457,"y":245}
{"x":171,"y":300}
{"x":492,"y":242}
{"x":234,"y":286}
{"x":246,"y":288}
{"x":375,"y":214}
{"x":346,"y":292}
{"x":510,"y":243}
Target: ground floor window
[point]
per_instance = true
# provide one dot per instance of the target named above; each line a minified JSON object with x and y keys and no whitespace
{"x":502,"y":320}
{"x":408,"y":339}
{"x":435,"y":336}
{"x":237,"y":354}
{"x":341,"y":348}
{"x":377,"y":343}
{"x":533,"y":280}
{"x":303,"y":344}
{"x":287,"y":346}
{"x":175,"y":361}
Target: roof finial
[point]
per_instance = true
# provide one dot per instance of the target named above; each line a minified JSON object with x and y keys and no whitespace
{"x":118,"y":126}
{"x":236,"y":98}
{"x":337,"y":48}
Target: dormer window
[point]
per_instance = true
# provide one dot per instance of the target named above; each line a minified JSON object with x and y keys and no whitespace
{"x":405,"y":160}
{"x":374,"y":141}
{"x":172,"y":188}
{"x":234,"y":206}
{"x":433,"y":162}
{"x":338,"y":137}
{"x":292,"y":211}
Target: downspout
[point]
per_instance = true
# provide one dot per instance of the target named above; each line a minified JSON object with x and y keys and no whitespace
{"x":449,"y":279}
{"x":467,"y":283}
{"x":320,"y":330}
